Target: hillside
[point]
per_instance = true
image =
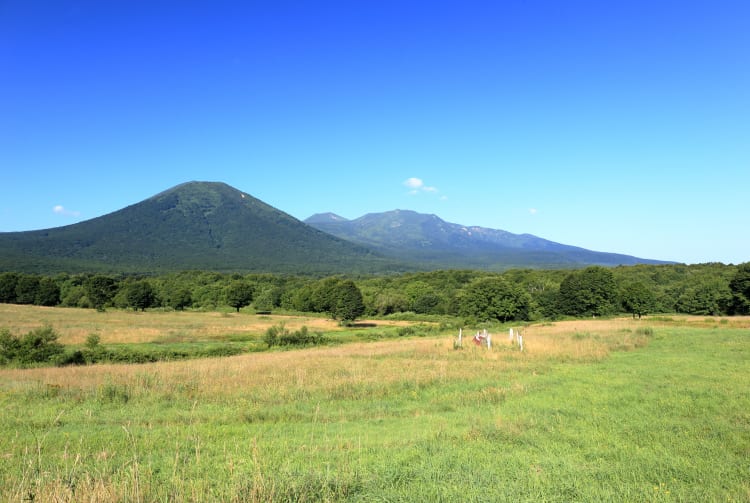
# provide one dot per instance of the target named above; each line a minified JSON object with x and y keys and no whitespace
{"x":431,"y":240}
{"x":196,"y":225}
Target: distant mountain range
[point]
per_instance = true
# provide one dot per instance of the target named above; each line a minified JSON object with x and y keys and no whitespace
{"x":212,"y":226}
{"x":427,"y":239}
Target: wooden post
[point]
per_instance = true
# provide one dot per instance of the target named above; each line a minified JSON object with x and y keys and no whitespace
{"x":520,"y":341}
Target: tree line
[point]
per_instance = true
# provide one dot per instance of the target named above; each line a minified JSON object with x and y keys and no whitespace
{"x":516,"y":295}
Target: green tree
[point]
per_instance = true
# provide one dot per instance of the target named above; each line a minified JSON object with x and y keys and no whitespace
{"x":494,"y":298}
{"x":48,"y":293}
{"x":422,"y":297}
{"x":140,"y":295}
{"x":637,"y":298}
{"x":27,"y":289}
{"x":324,"y":295}
{"x":179,"y":298}
{"x":348,"y":303}
{"x":389,"y":301}
{"x":100,"y":290}
{"x":740,"y":288}
{"x":239,"y":294}
{"x":708,"y":297}
{"x":8,"y":282}
{"x":266,"y":298}
{"x":591,"y":291}
{"x":301,"y":299}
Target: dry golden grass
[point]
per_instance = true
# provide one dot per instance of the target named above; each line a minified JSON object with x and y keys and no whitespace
{"x":374,"y":364}
{"x":117,"y":326}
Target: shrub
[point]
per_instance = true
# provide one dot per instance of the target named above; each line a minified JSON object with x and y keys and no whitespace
{"x":76,"y":357}
{"x":8,"y":346}
{"x":92,"y":341}
{"x":37,"y":346}
{"x":403,"y":331}
{"x":278,"y":335}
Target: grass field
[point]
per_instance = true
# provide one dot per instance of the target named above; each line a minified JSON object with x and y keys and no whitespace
{"x":132,"y":327}
{"x":592,"y":410}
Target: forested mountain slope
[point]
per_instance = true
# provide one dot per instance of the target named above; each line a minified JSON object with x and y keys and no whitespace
{"x":196,"y":225}
{"x":431,"y":240}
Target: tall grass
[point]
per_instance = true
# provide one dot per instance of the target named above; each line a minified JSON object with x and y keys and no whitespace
{"x":116,"y":326}
{"x":590,"y":411}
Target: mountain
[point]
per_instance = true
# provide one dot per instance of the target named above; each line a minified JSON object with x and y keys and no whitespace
{"x":212,"y":226}
{"x":431,"y":240}
{"x":196,"y":225}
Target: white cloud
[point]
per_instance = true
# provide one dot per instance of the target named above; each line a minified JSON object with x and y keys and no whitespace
{"x":417,"y":185}
{"x":60,"y":210}
{"x":533,"y":211}
{"x":414,"y":183}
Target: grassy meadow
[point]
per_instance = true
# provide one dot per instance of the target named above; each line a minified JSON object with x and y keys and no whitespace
{"x":592,"y":410}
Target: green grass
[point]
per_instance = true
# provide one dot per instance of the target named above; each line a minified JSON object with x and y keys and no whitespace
{"x":665,"y":422}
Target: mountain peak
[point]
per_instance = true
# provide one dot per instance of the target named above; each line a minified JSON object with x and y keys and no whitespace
{"x":194,"y":225}
{"x":319,"y":218}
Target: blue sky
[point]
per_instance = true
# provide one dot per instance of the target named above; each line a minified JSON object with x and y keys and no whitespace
{"x":616,"y":126}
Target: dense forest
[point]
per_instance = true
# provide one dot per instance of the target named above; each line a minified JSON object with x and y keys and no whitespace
{"x":703,"y":289}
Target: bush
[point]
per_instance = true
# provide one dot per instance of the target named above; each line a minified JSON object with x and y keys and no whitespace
{"x":8,"y":346}
{"x":37,"y":346}
{"x":76,"y":357}
{"x":278,"y":335}
{"x":403,"y":331}
{"x":92,"y":341}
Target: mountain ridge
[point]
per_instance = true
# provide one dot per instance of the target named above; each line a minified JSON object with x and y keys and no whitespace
{"x":428,"y":238}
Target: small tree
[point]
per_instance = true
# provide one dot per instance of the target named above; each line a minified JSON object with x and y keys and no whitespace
{"x":266,"y":298}
{"x":239,"y":294}
{"x":324,"y":296}
{"x":348,"y":303}
{"x":180,"y":298}
{"x":140,"y":295}
{"x":637,"y":298}
{"x":92,"y":341}
{"x":100,"y":290}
